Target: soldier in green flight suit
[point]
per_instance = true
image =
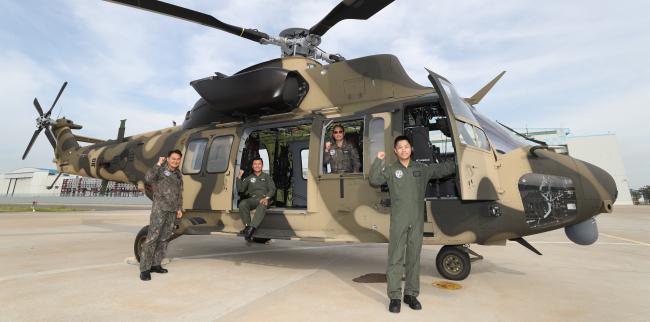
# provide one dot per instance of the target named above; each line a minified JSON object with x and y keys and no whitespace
{"x":407,"y":181}
{"x":260,"y":189}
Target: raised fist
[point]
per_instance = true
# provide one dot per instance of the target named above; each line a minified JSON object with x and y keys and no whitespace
{"x":161,"y":160}
{"x":381,"y":155}
{"x":328,"y":146}
{"x":241,"y":173}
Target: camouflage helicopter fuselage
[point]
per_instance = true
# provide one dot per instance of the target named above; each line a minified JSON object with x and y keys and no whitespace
{"x":499,"y":195}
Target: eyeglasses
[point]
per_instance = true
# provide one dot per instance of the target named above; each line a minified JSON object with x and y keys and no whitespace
{"x":336,"y":132}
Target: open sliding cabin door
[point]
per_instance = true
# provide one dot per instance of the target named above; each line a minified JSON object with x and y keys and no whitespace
{"x":477,"y":175}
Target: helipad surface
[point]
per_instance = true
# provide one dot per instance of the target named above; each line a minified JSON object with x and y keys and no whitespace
{"x":72,"y":267}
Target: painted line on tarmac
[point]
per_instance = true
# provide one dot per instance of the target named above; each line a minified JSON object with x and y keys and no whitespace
{"x":570,"y":243}
{"x":626,"y":239}
{"x":262,"y":251}
{"x":90,"y":267}
{"x":56,"y":271}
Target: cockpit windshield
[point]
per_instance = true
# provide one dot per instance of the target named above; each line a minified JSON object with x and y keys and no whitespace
{"x":502,"y":140}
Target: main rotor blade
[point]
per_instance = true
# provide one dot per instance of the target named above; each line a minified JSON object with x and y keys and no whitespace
{"x":31,"y":142}
{"x":38,"y":107}
{"x":349,"y":9}
{"x":56,"y":99}
{"x":194,"y":16}
{"x":50,"y":137}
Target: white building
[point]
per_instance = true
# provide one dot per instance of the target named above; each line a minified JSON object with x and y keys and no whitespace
{"x":602,"y":151}
{"x":30,"y":182}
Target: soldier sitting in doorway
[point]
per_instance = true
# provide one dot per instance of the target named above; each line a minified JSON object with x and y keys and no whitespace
{"x":259,"y":188}
{"x":342,"y":156}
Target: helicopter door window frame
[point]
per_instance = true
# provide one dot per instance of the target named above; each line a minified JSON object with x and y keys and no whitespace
{"x":220,"y":161}
{"x":474,"y":139}
{"x":376,"y":137}
{"x":325,"y":133}
{"x":194,"y":156}
{"x":462,"y":111}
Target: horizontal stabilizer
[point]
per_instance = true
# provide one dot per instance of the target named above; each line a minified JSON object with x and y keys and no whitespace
{"x":476,"y":98}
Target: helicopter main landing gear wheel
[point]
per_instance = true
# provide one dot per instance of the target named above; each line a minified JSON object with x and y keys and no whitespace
{"x":141,"y":237}
{"x":453,"y":262}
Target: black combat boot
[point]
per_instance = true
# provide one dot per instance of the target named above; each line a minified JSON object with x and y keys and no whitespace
{"x":413,"y":302}
{"x":395,"y":306}
{"x":249,"y":234}
{"x":158,"y":269}
{"x":145,"y":276}
{"x":246,"y":231}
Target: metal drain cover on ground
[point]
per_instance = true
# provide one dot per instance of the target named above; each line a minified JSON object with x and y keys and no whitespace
{"x":447,"y":285}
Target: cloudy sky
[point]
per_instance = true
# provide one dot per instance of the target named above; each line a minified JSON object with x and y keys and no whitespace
{"x":579,"y":64}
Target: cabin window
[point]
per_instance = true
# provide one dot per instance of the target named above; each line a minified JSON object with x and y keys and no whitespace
{"x":348,"y":157}
{"x":219,"y":154}
{"x":194,"y":156}
{"x":376,"y":136}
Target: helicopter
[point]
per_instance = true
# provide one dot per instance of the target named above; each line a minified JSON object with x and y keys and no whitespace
{"x":283,"y":111}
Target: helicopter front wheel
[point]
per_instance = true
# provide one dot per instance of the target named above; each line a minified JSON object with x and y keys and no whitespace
{"x":453,"y":263}
{"x":141,"y":237}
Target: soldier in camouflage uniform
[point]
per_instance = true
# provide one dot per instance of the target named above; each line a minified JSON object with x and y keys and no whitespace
{"x":342,"y":156}
{"x":167,"y":182}
{"x":260,"y":189}
{"x":407,"y":181}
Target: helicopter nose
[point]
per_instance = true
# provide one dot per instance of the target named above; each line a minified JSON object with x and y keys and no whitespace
{"x":597,"y":184}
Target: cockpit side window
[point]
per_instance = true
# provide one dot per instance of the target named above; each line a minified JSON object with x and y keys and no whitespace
{"x":472,"y":135}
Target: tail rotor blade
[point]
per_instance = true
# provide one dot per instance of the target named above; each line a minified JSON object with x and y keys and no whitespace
{"x":31,"y":142}
{"x":56,"y":100}
{"x":38,"y":107}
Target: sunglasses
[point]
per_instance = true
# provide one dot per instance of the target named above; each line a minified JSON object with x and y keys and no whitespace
{"x":336,"y":132}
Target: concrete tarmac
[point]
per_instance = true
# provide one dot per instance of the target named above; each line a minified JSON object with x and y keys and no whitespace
{"x":73,"y":267}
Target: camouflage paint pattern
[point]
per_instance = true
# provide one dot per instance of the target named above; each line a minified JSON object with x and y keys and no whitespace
{"x":364,"y":87}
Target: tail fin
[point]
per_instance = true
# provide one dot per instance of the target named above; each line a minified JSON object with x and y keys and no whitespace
{"x":66,"y":142}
